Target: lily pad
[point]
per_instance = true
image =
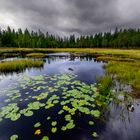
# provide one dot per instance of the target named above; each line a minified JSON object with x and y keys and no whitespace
{"x":45,"y":138}
{"x":37,"y":132}
{"x":94,"y":134}
{"x":38,"y":124}
{"x":54,"y":130}
{"x":54,"y":123}
{"x":95,"y":113}
{"x":91,"y":123}
{"x":14,"y":137}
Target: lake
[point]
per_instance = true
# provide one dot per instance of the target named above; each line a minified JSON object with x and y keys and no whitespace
{"x":61,"y":101}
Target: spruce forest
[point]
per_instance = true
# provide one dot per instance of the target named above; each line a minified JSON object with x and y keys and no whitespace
{"x":120,"y":38}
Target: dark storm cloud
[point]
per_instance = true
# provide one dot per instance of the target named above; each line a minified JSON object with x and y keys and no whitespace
{"x":65,"y":17}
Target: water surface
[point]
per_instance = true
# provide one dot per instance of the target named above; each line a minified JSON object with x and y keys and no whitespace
{"x":119,"y":124}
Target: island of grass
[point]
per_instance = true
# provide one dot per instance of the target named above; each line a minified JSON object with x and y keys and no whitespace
{"x":19,"y":65}
{"x":36,"y":55}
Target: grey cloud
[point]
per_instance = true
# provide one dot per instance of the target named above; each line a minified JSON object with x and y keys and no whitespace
{"x":65,"y":17}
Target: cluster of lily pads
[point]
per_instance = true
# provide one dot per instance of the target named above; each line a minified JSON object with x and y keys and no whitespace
{"x":72,"y":97}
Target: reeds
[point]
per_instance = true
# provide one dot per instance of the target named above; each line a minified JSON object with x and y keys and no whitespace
{"x":19,"y":65}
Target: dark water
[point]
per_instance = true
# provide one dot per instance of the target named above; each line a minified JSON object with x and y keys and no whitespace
{"x":119,"y":124}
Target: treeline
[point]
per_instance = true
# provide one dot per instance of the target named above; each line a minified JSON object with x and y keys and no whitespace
{"x":129,"y":38}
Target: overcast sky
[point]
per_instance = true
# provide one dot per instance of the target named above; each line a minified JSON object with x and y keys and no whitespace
{"x":65,"y":17}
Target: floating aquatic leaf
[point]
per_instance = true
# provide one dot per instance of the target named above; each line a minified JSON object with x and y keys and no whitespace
{"x":94,"y":134}
{"x":64,"y":128}
{"x":54,"y":130}
{"x":48,"y":118}
{"x":95,"y":113}
{"x":37,"y":132}
{"x":60,"y":112}
{"x":54,"y":123}
{"x":14,"y":137}
{"x":91,"y":123}
{"x":68,"y":117}
{"x":15,"y":117}
{"x":28,"y":113}
{"x":38,"y":124}
{"x":45,"y":138}
{"x":55,"y":101}
{"x":70,"y":125}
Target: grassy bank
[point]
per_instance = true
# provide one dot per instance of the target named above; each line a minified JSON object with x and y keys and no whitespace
{"x":19,"y":65}
{"x":126,"y":72}
{"x":133,"y":54}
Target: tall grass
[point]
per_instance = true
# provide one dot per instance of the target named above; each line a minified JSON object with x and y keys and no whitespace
{"x":107,"y":52}
{"x":106,"y":82}
{"x":19,"y":65}
{"x":126,"y":72}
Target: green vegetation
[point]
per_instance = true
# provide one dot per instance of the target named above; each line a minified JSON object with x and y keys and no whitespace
{"x":122,"y":66}
{"x":129,"y":38}
{"x":97,"y":52}
{"x":106,"y":82}
{"x":45,"y":138}
{"x":14,"y":137}
{"x":126,"y":72}
{"x":19,"y":65}
{"x":117,"y":56}
{"x":79,"y":99}
{"x":38,"y":124}
{"x":36,"y":55}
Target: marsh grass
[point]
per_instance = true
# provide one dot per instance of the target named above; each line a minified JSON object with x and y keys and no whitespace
{"x":19,"y":65}
{"x":7,"y":55}
{"x":36,"y":55}
{"x":101,"y":52}
{"x":111,"y":58}
{"x":106,"y":83}
{"x":126,"y":72}
{"x":122,"y":62}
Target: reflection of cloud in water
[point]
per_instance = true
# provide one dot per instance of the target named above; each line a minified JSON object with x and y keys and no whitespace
{"x":87,"y":69}
{"x":124,"y":127}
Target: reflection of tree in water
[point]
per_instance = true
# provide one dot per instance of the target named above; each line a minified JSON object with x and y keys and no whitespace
{"x":51,"y":59}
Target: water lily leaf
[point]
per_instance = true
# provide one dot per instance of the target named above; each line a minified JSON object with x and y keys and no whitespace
{"x":54,"y":123}
{"x":15,"y":117}
{"x":70,"y":125}
{"x":14,"y":137}
{"x":54,"y":130}
{"x":38,"y":124}
{"x":91,"y":123}
{"x":95,"y":113}
{"x":37,"y":132}
{"x":64,"y":128}
{"x":45,"y":138}
{"x":48,"y":118}
{"x":94,"y":134}
{"x":60,"y":112}
{"x":28,"y":113}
